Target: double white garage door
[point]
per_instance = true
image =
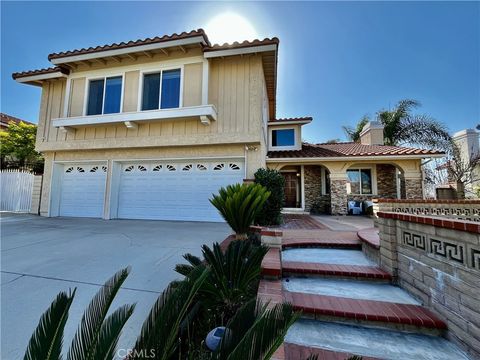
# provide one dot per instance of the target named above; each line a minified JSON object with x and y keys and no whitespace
{"x":160,"y":190}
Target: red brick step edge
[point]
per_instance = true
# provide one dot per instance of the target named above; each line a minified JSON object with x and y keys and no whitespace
{"x":366,"y":310}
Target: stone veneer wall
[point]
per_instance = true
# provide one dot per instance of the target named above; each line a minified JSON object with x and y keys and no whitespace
{"x":413,"y":189}
{"x":386,"y":181}
{"x":314,"y":200}
{"x":338,"y":190}
{"x":437,"y":261}
{"x":36,"y":195}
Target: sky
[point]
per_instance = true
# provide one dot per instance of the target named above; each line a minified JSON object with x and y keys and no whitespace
{"x":338,"y":61}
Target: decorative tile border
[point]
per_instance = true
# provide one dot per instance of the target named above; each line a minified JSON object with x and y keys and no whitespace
{"x":449,"y":250}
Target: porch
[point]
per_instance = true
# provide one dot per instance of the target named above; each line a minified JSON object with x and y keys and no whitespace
{"x":327,"y":187}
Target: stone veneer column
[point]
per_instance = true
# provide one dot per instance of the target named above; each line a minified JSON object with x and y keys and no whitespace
{"x":338,"y":193}
{"x":413,"y":188}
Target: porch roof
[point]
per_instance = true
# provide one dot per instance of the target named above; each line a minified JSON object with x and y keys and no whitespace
{"x":351,"y":149}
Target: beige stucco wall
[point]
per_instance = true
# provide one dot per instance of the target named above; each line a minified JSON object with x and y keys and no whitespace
{"x":235,"y":88}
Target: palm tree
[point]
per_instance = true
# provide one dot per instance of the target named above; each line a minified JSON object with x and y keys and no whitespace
{"x":401,"y":127}
{"x":353,"y":133}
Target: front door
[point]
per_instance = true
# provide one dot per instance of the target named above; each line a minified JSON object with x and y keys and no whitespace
{"x":291,"y":189}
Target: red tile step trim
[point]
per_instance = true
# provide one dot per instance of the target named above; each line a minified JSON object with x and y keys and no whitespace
{"x":370,"y":236}
{"x":367,"y":310}
{"x":270,"y":291}
{"x":357,"y":271}
{"x":295,"y":352}
{"x":322,"y":243}
{"x":460,"y":225}
{"x":271,"y":265}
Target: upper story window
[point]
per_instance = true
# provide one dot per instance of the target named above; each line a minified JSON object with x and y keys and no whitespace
{"x":283,"y":137}
{"x":161,"y":90}
{"x":104,"y":95}
{"x":360,"y":181}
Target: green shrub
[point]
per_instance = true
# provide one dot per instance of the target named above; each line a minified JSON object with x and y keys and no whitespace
{"x":275,"y":183}
{"x":239,"y":205}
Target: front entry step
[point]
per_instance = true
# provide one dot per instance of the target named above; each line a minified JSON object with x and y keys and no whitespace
{"x":361,"y":290}
{"x":327,"y":337}
{"x":380,"y":313}
{"x":297,"y":268}
{"x":327,"y":256}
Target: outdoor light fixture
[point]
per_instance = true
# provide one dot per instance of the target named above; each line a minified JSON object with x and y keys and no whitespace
{"x":298,"y":174}
{"x":214,"y":337}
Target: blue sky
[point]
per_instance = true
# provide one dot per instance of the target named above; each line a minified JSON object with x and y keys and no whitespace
{"x":337,"y":61}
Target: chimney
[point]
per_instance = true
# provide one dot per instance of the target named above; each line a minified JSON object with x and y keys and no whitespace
{"x":467,"y":142}
{"x":372,"y":134}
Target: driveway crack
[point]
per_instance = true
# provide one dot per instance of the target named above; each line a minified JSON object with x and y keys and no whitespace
{"x":73,"y":281}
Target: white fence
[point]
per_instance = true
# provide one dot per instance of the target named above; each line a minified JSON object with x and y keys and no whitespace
{"x":16,"y":190}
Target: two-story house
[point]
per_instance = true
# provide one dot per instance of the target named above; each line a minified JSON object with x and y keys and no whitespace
{"x":149,"y":129}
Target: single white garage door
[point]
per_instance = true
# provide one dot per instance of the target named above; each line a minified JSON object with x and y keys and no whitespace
{"x":82,"y":190}
{"x":174,"y":190}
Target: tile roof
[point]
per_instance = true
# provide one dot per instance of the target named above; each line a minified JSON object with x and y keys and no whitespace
{"x":5,"y":119}
{"x":49,"y":70}
{"x":244,"y":44}
{"x":349,"y":149}
{"x":122,"y":45}
{"x":304,"y":118}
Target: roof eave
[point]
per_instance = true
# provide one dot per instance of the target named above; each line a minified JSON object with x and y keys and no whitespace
{"x":293,"y":122}
{"x":38,"y":79}
{"x":355,"y":158}
{"x":239,"y":51}
{"x":199,"y":39}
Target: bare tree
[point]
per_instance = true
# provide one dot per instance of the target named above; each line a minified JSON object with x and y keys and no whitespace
{"x":457,"y":170}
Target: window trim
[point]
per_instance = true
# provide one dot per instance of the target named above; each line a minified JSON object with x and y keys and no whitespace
{"x":160,"y":69}
{"x":373,"y":172}
{"x":104,"y":78}
{"x":296,"y":146}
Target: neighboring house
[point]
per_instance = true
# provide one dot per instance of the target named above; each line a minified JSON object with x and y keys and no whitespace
{"x":467,"y":142}
{"x":149,"y":129}
{"x":5,"y":120}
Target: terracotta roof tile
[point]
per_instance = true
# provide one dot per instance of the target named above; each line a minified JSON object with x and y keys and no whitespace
{"x":349,"y":149}
{"x":122,"y":45}
{"x":5,"y":119}
{"x":304,"y":118}
{"x":49,"y":70}
{"x":244,"y":44}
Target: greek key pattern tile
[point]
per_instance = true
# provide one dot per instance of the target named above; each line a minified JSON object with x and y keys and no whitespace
{"x":459,"y":253}
{"x":459,"y":213}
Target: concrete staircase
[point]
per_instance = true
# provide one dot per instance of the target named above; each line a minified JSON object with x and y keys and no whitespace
{"x":349,"y":306}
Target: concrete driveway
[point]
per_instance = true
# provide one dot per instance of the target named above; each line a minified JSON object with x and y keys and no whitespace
{"x":43,"y":256}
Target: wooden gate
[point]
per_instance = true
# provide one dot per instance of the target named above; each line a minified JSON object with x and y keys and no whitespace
{"x":16,"y":190}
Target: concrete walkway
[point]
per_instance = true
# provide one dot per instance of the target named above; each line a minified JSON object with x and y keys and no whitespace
{"x":43,"y":256}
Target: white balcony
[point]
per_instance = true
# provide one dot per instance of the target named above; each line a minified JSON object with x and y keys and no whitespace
{"x":205,"y":114}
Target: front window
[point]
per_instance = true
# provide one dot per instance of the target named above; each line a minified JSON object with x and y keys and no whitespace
{"x":283,"y":137}
{"x":161,"y":90}
{"x":360,"y":181}
{"x":104,"y":96}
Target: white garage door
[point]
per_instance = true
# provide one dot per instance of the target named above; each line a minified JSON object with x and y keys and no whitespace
{"x":82,"y":190}
{"x":173,"y":190}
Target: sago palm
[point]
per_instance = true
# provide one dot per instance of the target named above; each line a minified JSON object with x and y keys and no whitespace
{"x":255,"y":332}
{"x":97,"y":335}
{"x":239,"y":204}
{"x":233,"y":276}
